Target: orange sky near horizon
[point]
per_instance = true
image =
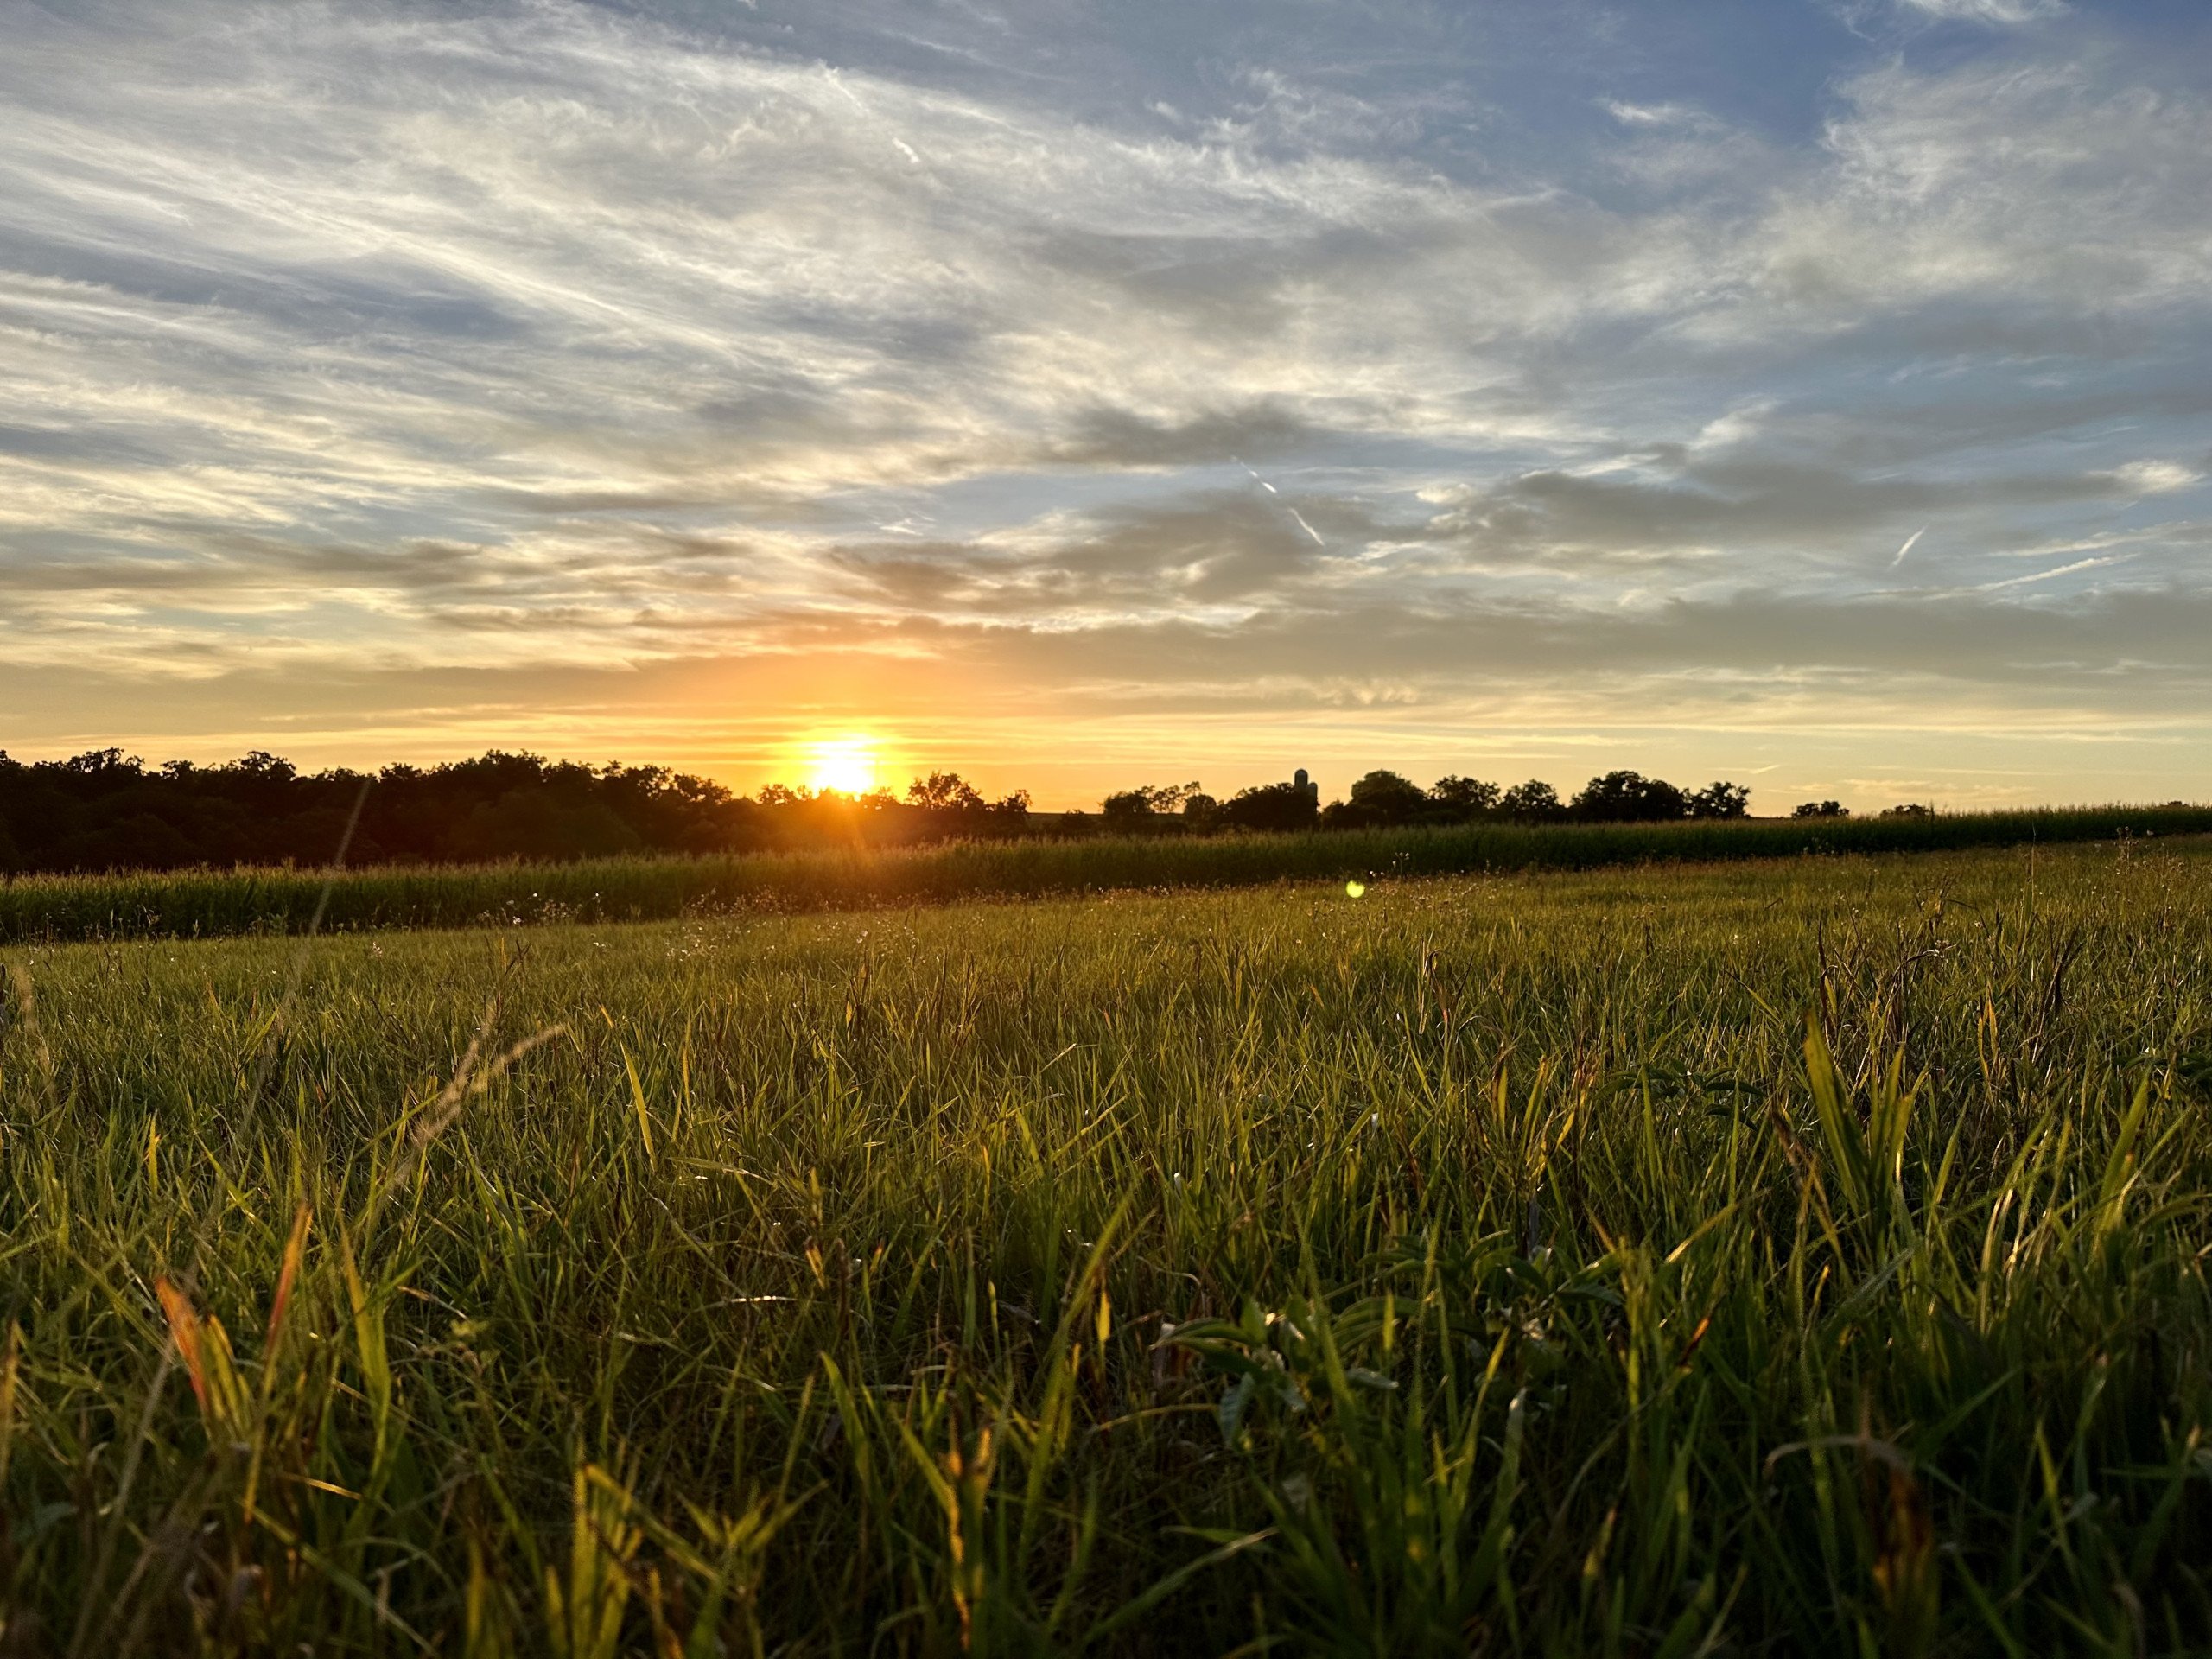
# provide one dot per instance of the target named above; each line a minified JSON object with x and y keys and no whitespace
{"x":1069,"y":751}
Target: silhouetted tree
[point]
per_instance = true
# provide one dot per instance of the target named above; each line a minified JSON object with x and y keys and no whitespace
{"x":1134,"y":808}
{"x":1720,"y":799}
{"x":1379,"y":798}
{"x":1630,"y":798}
{"x":1270,"y":806}
{"x":1909,"y":810}
{"x":1534,"y":802}
{"x":104,"y":810}
{"x":1391,"y":798}
{"x":944,"y":792}
{"x":1821,"y":810}
{"x":1456,"y":799}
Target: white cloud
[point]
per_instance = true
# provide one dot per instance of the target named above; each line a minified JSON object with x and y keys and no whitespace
{"x":2157,"y":477}
{"x":2054,"y":184}
{"x":2006,"y":12}
{"x":1683,"y":116}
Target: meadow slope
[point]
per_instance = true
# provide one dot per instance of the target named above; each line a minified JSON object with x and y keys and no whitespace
{"x":1802,"y":1256}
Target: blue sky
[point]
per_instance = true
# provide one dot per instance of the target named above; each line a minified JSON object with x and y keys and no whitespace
{"x":1814,"y":394}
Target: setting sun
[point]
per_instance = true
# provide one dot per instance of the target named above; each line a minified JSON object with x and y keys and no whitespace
{"x":847,"y":765}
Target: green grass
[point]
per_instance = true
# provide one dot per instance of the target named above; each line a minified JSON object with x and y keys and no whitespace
{"x":207,"y":904}
{"x":1803,"y":1256}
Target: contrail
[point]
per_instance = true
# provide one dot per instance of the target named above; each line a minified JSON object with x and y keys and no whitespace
{"x":1907,"y":547}
{"x":2045,"y":575}
{"x":1256,"y":478}
{"x":1287,"y":508}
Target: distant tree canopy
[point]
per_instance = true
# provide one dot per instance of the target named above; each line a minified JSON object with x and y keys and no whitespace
{"x":1821,"y":810}
{"x":1131,"y":808}
{"x":1534,"y":802}
{"x":1388,"y":799}
{"x":108,"y":811}
{"x":1269,"y":806}
{"x":1721,"y":800}
{"x":1384,"y":798}
{"x":1469,"y":796}
{"x":948,"y":791}
{"x":1631,"y":797}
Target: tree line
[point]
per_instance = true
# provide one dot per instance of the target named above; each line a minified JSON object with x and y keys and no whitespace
{"x":1383,"y":799}
{"x":105,"y":810}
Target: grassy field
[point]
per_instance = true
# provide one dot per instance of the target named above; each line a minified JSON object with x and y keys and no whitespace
{"x":208,"y":904}
{"x":1803,"y":1256}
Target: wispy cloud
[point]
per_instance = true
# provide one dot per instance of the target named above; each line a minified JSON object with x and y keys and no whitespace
{"x":2007,"y":12}
{"x":1681,"y":117}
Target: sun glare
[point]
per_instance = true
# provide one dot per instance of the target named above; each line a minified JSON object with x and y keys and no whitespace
{"x":847,"y":765}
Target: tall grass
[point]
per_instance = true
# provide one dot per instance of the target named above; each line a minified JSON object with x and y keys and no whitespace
{"x":207,"y":904}
{"x":1796,"y":1257}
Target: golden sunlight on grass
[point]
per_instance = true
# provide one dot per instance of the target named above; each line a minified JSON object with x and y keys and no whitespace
{"x":847,"y":764}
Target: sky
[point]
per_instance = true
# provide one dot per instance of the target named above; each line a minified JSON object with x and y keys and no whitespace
{"x":1812,"y":393}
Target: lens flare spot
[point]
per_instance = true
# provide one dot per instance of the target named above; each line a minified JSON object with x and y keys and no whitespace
{"x":1355,"y":889}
